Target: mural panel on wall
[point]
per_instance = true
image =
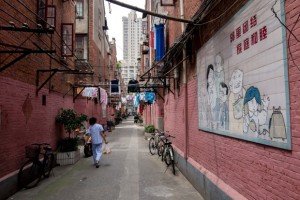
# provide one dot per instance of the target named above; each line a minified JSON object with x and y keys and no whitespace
{"x":242,"y":77}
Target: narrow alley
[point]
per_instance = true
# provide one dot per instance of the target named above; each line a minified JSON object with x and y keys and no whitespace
{"x":129,"y":172}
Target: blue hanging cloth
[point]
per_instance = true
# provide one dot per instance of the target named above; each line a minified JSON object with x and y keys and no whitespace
{"x":150,"y":97}
{"x":136,"y":101}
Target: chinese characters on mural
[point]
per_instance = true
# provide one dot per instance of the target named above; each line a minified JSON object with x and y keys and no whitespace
{"x":226,"y":103}
{"x":245,"y":44}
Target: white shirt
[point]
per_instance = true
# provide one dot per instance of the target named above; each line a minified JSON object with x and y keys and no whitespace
{"x":95,"y":132}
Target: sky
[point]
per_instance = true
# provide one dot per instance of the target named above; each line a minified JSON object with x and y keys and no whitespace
{"x":114,"y":21}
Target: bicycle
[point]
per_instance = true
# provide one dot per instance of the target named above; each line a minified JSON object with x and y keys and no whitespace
{"x":40,"y":163}
{"x":154,"y":140}
{"x":168,"y":152}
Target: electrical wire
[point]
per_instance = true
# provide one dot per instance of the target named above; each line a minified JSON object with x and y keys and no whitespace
{"x":58,"y":47}
{"x":289,"y":46}
{"x":28,"y":38}
{"x":272,"y":9}
{"x":13,"y":17}
{"x":97,"y":76}
{"x":210,"y":21}
{"x":291,"y":33}
{"x":16,"y":48}
{"x":10,"y":5}
{"x":43,"y":20}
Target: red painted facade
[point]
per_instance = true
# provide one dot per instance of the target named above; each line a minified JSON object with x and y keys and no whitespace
{"x":250,"y":170}
{"x":18,"y":83}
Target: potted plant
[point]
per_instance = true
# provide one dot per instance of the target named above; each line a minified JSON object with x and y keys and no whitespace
{"x":68,"y":152}
{"x":148,"y":130}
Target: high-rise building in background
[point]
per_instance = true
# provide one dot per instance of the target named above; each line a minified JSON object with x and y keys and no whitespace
{"x":132,"y":32}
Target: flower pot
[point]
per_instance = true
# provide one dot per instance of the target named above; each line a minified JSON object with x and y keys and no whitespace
{"x":67,"y":158}
{"x":147,"y":135}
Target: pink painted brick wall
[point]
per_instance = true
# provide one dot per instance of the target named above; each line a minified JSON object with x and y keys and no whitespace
{"x":40,"y":127}
{"x":255,"y":171}
{"x":89,"y":108}
{"x":174,"y":121}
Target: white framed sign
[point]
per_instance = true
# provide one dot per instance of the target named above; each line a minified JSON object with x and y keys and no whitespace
{"x":243,"y":80}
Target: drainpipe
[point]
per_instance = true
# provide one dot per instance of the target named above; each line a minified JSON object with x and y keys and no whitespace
{"x":184,"y":72}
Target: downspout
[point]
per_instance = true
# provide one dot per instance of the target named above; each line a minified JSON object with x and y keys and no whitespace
{"x":184,"y":80}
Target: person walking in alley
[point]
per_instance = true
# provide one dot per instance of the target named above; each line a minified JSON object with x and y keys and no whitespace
{"x":96,"y":132}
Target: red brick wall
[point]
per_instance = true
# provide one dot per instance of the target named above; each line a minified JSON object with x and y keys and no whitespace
{"x":255,"y":171}
{"x":40,"y":127}
{"x":89,"y":108}
{"x":18,"y":81}
{"x":15,"y":132}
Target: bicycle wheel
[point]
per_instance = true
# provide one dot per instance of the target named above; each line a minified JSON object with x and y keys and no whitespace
{"x":169,"y":158}
{"x":160,"y":148}
{"x":48,"y":164}
{"x":152,"y":147}
{"x":30,"y":174}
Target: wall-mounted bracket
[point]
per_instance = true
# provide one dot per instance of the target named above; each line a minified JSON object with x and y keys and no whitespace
{"x":52,"y":73}
{"x":155,"y":90}
{"x":74,"y":92}
{"x":13,"y":61}
{"x":30,"y":30}
{"x":24,"y":52}
{"x":68,"y":91}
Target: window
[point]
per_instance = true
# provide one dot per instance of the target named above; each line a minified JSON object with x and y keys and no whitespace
{"x":41,"y":11}
{"x":79,"y":9}
{"x":51,"y":16}
{"x":67,"y":40}
{"x":46,"y":14}
{"x":79,"y":51}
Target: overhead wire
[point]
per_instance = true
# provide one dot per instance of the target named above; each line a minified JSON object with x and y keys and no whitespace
{"x":184,"y":37}
{"x":27,"y":19}
{"x":9,"y":56}
{"x":43,"y":20}
{"x":29,"y":38}
{"x":212,"y":20}
{"x":291,"y":33}
{"x":55,"y":44}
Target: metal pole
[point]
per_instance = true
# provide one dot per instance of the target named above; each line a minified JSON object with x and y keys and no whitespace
{"x":149,"y":12}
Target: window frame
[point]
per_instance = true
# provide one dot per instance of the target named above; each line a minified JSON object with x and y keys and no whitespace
{"x":47,"y":17}
{"x":63,"y":43}
{"x":82,"y":3}
{"x":168,"y":3}
{"x":83,"y":39}
{"x":38,"y":8}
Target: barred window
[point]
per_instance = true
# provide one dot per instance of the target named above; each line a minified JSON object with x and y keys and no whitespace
{"x":51,"y":16}
{"x":79,"y":9}
{"x":67,"y":40}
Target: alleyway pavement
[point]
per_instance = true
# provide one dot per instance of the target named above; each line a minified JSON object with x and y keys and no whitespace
{"x":129,"y":172}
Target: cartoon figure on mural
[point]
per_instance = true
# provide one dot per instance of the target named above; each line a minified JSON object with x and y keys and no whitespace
{"x":223,"y":118}
{"x":255,"y":112}
{"x":217,"y":95}
{"x":277,"y":125}
{"x":235,"y":102}
{"x":203,"y":103}
{"x":219,"y":71}
{"x":212,"y":96}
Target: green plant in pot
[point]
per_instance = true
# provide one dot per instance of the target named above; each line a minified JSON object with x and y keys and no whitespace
{"x":71,"y":121}
{"x":150,"y":129}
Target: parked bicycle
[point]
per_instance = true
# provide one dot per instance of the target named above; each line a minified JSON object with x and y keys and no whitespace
{"x":154,"y":141}
{"x":167,"y":152}
{"x":40,"y":163}
{"x":160,"y":144}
